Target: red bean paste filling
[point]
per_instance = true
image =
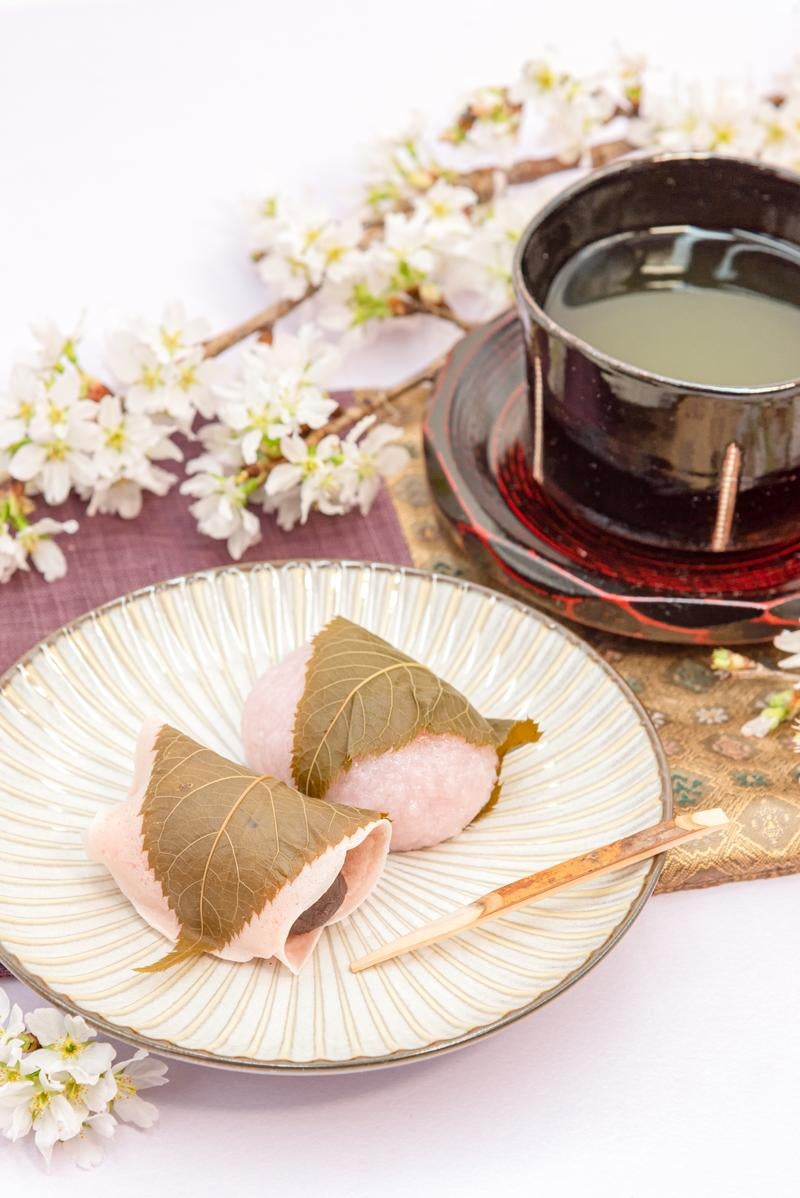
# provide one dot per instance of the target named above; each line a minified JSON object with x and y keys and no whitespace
{"x":323,"y":909}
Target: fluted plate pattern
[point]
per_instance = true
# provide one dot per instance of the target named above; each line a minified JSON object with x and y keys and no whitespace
{"x":188,"y":651}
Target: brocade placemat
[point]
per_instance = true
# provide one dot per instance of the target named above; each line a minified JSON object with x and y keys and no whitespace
{"x":698,"y":715}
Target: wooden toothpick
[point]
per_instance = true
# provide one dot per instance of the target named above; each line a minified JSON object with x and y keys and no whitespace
{"x":627,"y":851}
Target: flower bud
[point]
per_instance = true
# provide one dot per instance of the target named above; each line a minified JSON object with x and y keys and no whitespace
{"x":430,"y":293}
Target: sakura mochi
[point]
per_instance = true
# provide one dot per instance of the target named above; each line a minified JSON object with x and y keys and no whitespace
{"x":350,"y":718}
{"x":221,"y":860}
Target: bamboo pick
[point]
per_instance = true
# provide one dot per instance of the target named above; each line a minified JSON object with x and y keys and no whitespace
{"x":627,"y":851}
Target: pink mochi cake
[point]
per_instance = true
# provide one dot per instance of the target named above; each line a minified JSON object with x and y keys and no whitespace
{"x":430,"y":789}
{"x":325,"y":891}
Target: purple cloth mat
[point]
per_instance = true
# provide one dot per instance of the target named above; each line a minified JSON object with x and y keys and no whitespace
{"x":110,"y":557}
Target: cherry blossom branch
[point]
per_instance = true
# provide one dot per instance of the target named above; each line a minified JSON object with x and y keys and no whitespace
{"x":261,"y":322}
{"x":740,"y":666}
{"x":424,"y":214}
{"x":483,"y":180}
{"x":411,"y":305}
{"x":369,"y":402}
{"x":781,"y":705}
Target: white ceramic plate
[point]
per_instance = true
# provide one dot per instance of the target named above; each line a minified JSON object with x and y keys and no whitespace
{"x":188,"y":651}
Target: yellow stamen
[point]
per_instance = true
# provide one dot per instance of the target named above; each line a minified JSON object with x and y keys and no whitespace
{"x":172,"y":342}
{"x":187,"y":378}
{"x":151,"y":377}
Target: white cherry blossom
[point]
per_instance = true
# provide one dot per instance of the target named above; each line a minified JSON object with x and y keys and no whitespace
{"x":223,"y":446}
{"x":360,"y":295}
{"x":221,"y":509}
{"x":140,"y":1072}
{"x":68,"y":1047}
{"x":334,"y":475}
{"x":308,"y":474}
{"x":372,"y":457}
{"x":12,"y":553}
{"x":762,"y":724}
{"x":398,"y":168}
{"x":409,"y":257}
{"x":298,"y":245}
{"x":304,"y":356}
{"x":18,"y":406}
{"x":30,"y":1106}
{"x":574,"y":122}
{"x":277,"y":391}
{"x":626,"y":77}
{"x":570,"y":105}
{"x":444,"y":208}
{"x":54,"y":345}
{"x":61,"y":438}
{"x":779,"y":126}
{"x":86,"y":1147}
{"x":312,"y":477}
{"x":60,"y":1086}
{"x":488,"y":126}
{"x":480,"y":266}
{"x":407,"y":246}
{"x":162,"y":369}
{"x":37,"y":542}
{"x":129,"y":444}
{"x":12,"y":1025}
{"x":788,"y":642}
{"x":713,"y":115}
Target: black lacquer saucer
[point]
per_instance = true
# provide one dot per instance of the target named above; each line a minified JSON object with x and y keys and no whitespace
{"x":478,"y":453}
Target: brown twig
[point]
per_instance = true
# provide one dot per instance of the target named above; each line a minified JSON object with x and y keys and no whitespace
{"x":369,"y":402}
{"x":412,"y":305}
{"x":759,"y":671}
{"x":444,"y":312}
{"x":482,"y":180}
{"x":261,"y":322}
{"x":264,"y":321}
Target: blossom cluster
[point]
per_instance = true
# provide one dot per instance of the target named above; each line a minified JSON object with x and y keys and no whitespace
{"x":61,"y":1085}
{"x":490,"y":121}
{"x":778,"y":707}
{"x":63,"y":432}
{"x":23,"y":541}
{"x":435,"y":236}
{"x":573,"y":107}
{"x":429,"y":241}
{"x":263,"y":451}
{"x":444,"y":252}
{"x":723,"y":119}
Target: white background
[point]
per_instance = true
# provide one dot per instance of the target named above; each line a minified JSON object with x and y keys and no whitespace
{"x":129,"y":135}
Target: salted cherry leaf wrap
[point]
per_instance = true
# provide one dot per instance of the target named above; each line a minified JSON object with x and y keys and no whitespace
{"x":222,"y":841}
{"x":363,"y":697}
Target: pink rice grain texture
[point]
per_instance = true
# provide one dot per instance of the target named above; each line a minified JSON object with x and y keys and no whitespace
{"x":430,"y":789}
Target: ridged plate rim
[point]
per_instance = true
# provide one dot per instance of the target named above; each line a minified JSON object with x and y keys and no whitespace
{"x":250,"y":1065}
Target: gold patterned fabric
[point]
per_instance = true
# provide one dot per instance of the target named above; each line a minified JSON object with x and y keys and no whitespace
{"x":697,"y":712}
